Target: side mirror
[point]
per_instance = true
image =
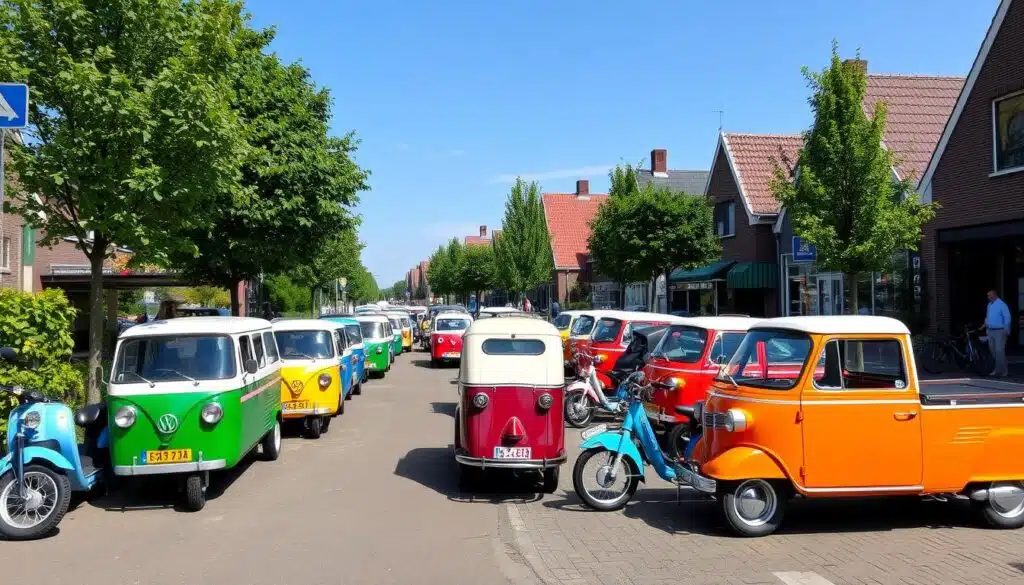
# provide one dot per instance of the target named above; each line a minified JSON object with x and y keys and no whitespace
{"x":251,"y":366}
{"x":8,"y":353}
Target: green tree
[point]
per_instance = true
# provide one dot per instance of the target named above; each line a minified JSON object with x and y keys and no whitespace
{"x":844,"y":199}
{"x":523,"y":252}
{"x":396,"y":292}
{"x":476,"y":270}
{"x":286,"y":296}
{"x":206,"y":296}
{"x":441,"y":273}
{"x":612,"y":248}
{"x":337,"y":256}
{"x":131,"y":131}
{"x":297,"y":182}
{"x":362,"y":286}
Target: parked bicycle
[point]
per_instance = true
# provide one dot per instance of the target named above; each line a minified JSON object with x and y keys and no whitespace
{"x":967,"y":352}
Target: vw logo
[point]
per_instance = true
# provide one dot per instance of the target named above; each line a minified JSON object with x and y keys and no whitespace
{"x":167,"y":424}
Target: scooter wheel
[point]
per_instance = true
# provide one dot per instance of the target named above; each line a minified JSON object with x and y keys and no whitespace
{"x":195,"y":494}
{"x":578,"y":410}
{"x":587,"y":480}
{"x":50,"y":493}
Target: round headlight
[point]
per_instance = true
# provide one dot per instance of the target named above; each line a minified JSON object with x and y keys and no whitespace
{"x":675,"y":383}
{"x":380,"y":349}
{"x":212,"y":413}
{"x":324,"y":380}
{"x":735,"y":420}
{"x":125,"y":417}
{"x":545,"y":401}
{"x":599,"y":358}
{"x":31,"y":420}
{"x":480,"y":400}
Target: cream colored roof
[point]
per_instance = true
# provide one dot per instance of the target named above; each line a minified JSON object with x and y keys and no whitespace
{"x":837,"y":324}
{"x":197,"y":325}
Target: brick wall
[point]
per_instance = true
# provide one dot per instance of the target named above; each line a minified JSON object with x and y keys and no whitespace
{"x":10,"y":277}
{"x":961,"y":183}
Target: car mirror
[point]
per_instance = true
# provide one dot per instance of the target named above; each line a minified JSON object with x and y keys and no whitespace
{"x":8,"y":353}
{"x":251,"y":367}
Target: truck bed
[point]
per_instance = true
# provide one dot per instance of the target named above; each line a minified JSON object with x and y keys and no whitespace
{"x":970,"y":391}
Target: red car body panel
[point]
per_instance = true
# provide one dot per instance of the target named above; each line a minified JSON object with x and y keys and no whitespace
{"x":512,"y":418}
{"x":446,"y":343}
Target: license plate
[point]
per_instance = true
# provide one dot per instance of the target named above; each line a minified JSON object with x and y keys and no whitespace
{"x":297,"y":405}
{"x":511,"y":452}
{"x":452,"y":354}
{"x":593,"y":431}
{"x":168,"y":456}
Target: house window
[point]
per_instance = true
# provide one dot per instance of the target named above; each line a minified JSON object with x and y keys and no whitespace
{"x":5,"y":254}
{"x":1008,"y":122}
{"x":725,"y":219}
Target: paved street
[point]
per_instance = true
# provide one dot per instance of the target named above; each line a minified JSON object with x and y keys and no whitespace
{"x":375,"y":501}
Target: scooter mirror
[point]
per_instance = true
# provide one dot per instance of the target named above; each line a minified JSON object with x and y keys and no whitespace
{"x":8,"y":353}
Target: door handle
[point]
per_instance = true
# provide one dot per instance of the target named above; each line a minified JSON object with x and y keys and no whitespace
{"x":902,"y":416}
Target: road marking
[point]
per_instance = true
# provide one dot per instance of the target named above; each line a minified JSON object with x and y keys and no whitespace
{"x":514,"y":518}
{"x":805,"y":578}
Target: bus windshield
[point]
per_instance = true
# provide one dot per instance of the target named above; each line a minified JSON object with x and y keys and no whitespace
{"x":175,"y":358}
{"x":304,"y":345}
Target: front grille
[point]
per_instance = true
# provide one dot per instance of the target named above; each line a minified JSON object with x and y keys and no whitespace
{"x":714,"y":420}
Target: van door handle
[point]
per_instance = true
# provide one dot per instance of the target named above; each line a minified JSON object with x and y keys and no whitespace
{"x":902,"y":416}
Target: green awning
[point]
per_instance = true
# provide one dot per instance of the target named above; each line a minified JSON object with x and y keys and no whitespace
{"x":753,"y":275}
{"x":713,"y":271}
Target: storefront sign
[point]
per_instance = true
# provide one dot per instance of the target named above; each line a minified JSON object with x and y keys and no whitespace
{"x":802,"y":251}
{"x":706,"y":285}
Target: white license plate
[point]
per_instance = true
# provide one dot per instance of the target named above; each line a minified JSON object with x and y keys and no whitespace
{"x":511,"y":452}
{"x":452,"y":354}
{"x":593,"y":431}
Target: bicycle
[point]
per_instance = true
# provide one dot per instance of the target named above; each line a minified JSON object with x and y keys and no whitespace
{"x":960,"y":353}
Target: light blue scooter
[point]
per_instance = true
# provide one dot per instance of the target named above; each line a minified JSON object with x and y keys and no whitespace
{"x":611,"y":466}
{"x":45,"y":463}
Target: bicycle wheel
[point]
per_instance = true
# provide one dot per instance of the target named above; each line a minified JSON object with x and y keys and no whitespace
{"x":935,"y":357}
{"x":983,"y":362}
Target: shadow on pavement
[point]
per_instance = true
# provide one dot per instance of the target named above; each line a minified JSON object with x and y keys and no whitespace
{"x":156,"y":492}
{"x":422,"y":363}
{"x":698,"y":514}
{"x":435,"y":468}
{"x":1018,"y":566}
{"x":447,"y":408}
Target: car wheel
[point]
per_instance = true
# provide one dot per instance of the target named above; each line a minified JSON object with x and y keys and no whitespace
{"x":753,"y":507}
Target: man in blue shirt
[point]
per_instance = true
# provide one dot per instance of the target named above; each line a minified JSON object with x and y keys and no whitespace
{"x":997,"y":326}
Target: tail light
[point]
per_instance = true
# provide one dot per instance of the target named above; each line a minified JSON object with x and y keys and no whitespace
{"x":545,"y":400}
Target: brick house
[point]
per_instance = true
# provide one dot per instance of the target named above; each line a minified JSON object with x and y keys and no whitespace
{"x":918,"y":107}
{"x":568,"y":217}
{"x":481,"y":240}
{"x":976,"y":173}
{"x":745,"y":278}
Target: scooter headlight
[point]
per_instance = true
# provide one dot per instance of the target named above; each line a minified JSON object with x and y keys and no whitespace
{"x":125,"y":417}
{"x":599,"y":358}
{"x":31,"y":420}
{"x":735,"y":420}
{"x":480,"y":400}
{"x":545,"y":401}
{"x":212,"y":413}
{"x":324,"y":380}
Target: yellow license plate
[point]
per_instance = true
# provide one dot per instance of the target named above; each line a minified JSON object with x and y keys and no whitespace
{"x":297,"y":405}
{"x":168,"y":456}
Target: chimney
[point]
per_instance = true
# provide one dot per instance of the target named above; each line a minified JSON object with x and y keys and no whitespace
{"x":582,"y":188}
{"x":483,"y":231}
{"x":659,"y":162}
{"x":858,"y":64}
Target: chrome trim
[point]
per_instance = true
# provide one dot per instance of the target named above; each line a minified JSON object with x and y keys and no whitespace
{"x":161,"y":468}
{"x":307,"y":411}
{"x":484,"y":462}
{"x":856,"y":490}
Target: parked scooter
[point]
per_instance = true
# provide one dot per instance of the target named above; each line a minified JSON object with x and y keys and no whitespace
{"x":611,"y":466}
{"x":585,"y":396}
{"x":45,"y":463}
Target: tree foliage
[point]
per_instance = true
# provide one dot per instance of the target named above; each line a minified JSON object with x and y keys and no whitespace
{"x":522,"y":253}
{"x":441,"y":273}
{"x":338,"y":256}
{"x":476,"y":269}
{"x":844,"y":199}
{"x":362,"y":286}
{"x":285,"y":296}
{"x":206,"y":296}
{"x":643,"y":233}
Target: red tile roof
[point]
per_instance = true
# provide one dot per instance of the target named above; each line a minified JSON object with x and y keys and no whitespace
{"x":568,"y":218}
{"x":918,"y":106}
{"x":477,"y":241}
{"x":751,"y":157}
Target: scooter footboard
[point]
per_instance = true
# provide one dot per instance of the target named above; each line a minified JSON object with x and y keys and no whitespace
{"x":30,"y":454}
{"x":613,"y":441}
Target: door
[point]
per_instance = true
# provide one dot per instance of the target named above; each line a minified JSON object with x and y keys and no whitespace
{"x":830,"y":294}
{"x":861,"y":418}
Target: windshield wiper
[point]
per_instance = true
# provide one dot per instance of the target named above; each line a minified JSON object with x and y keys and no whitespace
{"x":189,"y":378}
{"x":139,"y":376}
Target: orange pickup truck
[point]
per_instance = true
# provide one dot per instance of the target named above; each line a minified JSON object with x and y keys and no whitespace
{"x":852,"y":420}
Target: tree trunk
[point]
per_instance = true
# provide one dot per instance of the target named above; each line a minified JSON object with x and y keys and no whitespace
{"x":668,"y":303}
{"x":96,"y":257}
{"x":622,"y":295}
{"x":236,"y":304}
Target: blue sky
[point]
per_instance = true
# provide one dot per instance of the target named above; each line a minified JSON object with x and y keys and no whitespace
{"x":452,"y":99}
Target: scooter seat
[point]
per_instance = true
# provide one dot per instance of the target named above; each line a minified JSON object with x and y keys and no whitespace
{"x":91,"y":414}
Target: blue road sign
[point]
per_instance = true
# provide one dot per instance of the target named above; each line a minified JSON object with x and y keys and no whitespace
{"x":13,"y":105}
{"x":802,"y":251}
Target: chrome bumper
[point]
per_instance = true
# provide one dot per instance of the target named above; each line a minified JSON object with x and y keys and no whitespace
{"x":485,"y":463}
{"x":687,"y":474}
{"x":306,"y":411}
{"x":161,"y":468}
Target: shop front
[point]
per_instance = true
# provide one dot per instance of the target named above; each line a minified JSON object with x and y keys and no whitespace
{"x":606,"y":295}
{"x":701,"y":291}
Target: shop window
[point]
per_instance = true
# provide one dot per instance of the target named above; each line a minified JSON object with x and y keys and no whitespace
{"x":1008,"y":120}
{"x":725,"y":219}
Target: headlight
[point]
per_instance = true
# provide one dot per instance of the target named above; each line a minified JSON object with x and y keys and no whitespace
{"x":31,"y":420}
{"x":324,"y":380}
{"x":125,"y":417}
{"x":673,"y":383}
{"x":480,"y":401}
{"x":380,"y":349}
{"x":545,"y":401}
{"x":599,"y":358}
{"x":212,"y":413}
{"x":735,"y":420}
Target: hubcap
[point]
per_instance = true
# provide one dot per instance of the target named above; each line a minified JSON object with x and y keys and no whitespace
{"x":604,"y":476}
{"x":754,"y":502}
{"x":39,"y":502}
{"x":606,"y":489}
{"x":1007,"y":499}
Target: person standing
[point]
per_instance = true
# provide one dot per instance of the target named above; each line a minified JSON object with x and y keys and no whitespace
{"x":527,"y":307}
{"x":997,"y":327}
{"x":555,"y":309}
